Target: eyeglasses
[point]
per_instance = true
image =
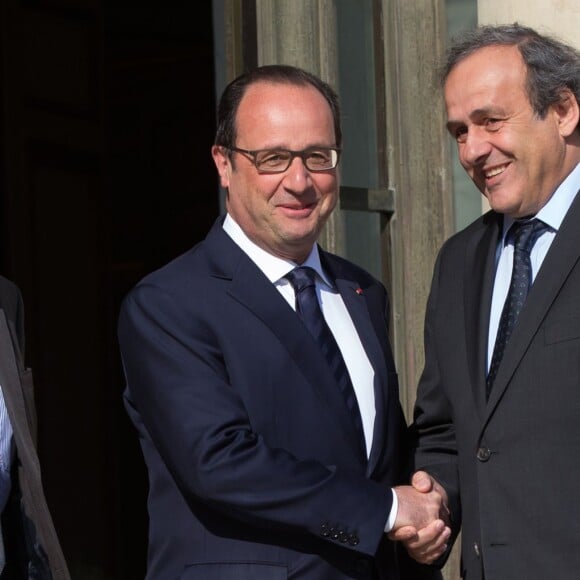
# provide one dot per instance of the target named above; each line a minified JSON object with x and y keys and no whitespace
{"x":278,"y":160}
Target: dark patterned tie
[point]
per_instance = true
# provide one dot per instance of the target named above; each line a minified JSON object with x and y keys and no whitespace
{"x":308,"y":308}
{"x":524,"y":235}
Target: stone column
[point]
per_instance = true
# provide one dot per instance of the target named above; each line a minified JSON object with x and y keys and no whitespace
{"x":420,"y":175}
{"x":419,"y":170}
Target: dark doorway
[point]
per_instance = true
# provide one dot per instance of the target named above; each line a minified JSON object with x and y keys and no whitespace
{"x":160,"y":127}
{"x":105,"y":173}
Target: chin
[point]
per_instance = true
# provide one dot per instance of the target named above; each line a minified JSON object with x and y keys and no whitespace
{"x":301,"y":229}
{"x":300,"y":238}
{"x":501,"y":203}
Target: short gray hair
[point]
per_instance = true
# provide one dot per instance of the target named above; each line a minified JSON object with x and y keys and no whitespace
{"x":551,"y":65}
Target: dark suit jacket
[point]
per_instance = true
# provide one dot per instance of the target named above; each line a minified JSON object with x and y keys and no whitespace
{"x":255,"y":466}
{"x":30,"y":541}
{"x":514,"y":460}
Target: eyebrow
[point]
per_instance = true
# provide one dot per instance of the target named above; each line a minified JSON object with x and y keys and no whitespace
{"x":284,"y":148}
{"x":453,"y":125}
{"x":477,"y":114}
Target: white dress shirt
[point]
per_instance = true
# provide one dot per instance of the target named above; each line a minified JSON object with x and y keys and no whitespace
{"x":552,"y":214}
{"x":5,"y":452}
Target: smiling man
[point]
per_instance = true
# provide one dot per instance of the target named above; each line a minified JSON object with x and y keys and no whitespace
{"x":497,"y":419}
{"x":259,"y":372}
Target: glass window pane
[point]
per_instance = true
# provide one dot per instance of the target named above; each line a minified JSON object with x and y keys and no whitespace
{"x":462,"y":15}
{"x":359,"y":159}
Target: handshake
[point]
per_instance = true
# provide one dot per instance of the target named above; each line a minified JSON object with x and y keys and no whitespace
{"x":422,"y":523}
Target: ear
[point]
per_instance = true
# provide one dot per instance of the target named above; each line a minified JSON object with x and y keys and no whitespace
{"x":222,"y":163}
{"x":567,"y":113}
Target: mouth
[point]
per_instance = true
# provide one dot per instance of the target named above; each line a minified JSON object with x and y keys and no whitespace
{"x":495,"y":171}
{"x":297,"y":205}
{"x":297,"y":209}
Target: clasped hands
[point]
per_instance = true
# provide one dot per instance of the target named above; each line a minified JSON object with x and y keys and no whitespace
{"x":422,"y":523}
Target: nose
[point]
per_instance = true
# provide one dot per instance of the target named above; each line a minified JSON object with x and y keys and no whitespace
{"x":475,"y":149}
{"x":297,"y":177}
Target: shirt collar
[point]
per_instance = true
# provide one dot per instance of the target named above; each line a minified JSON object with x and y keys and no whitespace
{"x":554,"y":212}
{"x":273,"y":267}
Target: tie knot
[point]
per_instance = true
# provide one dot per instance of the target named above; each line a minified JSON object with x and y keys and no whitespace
{"x":525,"y":233}
{"x":301,"y":278}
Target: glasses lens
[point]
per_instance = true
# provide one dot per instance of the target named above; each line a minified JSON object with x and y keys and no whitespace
{"x":278,"y":160}
{"x":273,"y":160}
{"x":320,"y":159}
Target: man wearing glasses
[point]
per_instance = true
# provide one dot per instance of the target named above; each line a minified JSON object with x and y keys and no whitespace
{"x":259,"y":372}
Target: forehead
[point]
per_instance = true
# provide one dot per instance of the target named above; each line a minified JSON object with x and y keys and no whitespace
{"x":494,"y":75}
{"x":279,"y":111}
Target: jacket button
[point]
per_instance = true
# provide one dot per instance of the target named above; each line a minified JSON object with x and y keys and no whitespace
{"x":476,"y":549}
{"x":324,"y":532}
{"x":483,"y":454}
{"x":353,"y":540}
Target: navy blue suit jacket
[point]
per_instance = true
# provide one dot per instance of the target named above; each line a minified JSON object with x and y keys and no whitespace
{"x":256,"y":469}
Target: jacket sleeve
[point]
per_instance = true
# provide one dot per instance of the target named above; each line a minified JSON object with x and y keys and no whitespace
{"x":432,"y":431}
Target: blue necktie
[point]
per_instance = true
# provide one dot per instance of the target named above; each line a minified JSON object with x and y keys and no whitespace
{"x":308,"y":308}
{"x":524,"y":235}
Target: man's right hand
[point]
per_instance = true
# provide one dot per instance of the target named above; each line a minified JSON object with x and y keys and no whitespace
{"x":422,"y":522}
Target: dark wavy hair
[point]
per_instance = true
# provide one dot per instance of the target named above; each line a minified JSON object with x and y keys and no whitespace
{"x":552,"y":66}
{"x":279,"y":74}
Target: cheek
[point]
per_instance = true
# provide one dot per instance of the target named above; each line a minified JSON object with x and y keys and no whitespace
{"x":257,"y":193}
{"x":327,"y":203}
{"x":245,"y":202}
{"x":462,"y":160}
{"x":328,"y":187}
{"x":331,"y":200}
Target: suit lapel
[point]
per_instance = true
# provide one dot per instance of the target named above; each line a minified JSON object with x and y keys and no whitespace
{"x":358,"y":308}
{"x":14,"y":398}
{"x":250,"y":287}
{"x":562,"y":256}
{"x":478,"y":283}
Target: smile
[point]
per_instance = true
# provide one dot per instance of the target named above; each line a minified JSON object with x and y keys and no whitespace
{"x":298,"y":207}
{"x":495,"y":171}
